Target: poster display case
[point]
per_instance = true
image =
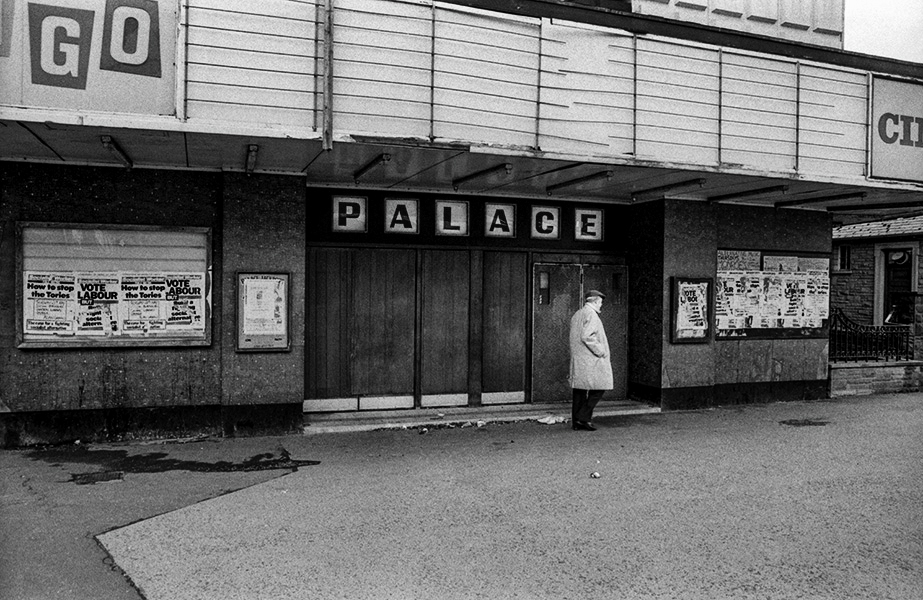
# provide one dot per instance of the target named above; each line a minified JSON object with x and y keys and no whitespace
{"x":100,"y":285}
{"x":263,"y":312}
{"x":690,"y":310}
{"x":771,"y":295}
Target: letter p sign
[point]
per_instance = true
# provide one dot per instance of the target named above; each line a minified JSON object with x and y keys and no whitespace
{"x":349,"y":214}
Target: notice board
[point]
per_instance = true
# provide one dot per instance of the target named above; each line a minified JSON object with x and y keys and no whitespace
{"x":771,"y":295}
{"x":263,"y":312}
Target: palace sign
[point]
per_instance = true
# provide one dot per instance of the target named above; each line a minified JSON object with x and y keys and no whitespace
{"x":350,"y":214}
{"x":897,"y":130}
{"x":108,"y":55}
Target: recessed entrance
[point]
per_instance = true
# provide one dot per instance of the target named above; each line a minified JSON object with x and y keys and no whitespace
{"x":558,"y":291}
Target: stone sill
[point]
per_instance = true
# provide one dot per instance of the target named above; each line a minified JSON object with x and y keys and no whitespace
{"x":876,"y":363}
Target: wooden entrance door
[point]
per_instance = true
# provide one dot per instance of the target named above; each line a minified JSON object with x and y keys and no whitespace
{"x":360,"y":329}
{"x":558,"y":291}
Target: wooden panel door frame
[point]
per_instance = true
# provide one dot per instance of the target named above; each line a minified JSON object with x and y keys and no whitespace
{"x":582,"y":266}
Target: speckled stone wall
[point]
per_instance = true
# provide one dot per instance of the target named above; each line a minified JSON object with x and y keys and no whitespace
{"x":737,"y":370}
{"x":645,"y":297}
{"x":105,"y":378}
{"x":264,"y":231}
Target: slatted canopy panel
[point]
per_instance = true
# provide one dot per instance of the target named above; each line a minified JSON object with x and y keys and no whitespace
{"x":252,"y":61}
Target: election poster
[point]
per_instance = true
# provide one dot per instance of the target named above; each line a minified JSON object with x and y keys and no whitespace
{"x":789,"y":293}
{"x":114,"y":305}
{"x":690,"y":310}
{"x":144,"y":303}
{"x":185,"y":297}
{"x":49,"y":303}
{"x":97,"y":304}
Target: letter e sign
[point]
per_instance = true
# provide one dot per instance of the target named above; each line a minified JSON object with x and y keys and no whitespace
{"x":589,"y":225}
{"x":350,"y":214}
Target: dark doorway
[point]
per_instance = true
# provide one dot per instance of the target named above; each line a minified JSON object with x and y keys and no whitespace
{"x":558,"y":292}
{"x":898,"y":285}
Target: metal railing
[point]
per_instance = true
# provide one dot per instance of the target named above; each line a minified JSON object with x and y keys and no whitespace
{"x":852,"y":341}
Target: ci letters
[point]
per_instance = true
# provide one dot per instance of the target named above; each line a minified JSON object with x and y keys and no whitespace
{"x":60,"y":41}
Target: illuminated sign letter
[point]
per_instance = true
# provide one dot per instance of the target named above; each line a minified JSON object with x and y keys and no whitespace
{"x":131,"y":38}
{"x":451,"y":218}
{"x":500,"y":220}
{"x":589,"y":225}
{"x":349,"y":213}
{"x":59,"y":44}
{"x":401,"y":216}
{"x":545,"y":222}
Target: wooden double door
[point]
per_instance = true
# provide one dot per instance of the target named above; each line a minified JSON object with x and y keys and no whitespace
{"x":398,"y":328}
{"x":558,"y":291}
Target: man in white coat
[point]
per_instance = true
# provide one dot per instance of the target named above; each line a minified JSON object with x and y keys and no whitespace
{"x":590,"y":364}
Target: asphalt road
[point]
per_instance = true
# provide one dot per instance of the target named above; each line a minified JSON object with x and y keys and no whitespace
{"x":820,"y":500}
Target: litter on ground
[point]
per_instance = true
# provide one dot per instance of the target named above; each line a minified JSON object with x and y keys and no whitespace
{"x":550,"y":420}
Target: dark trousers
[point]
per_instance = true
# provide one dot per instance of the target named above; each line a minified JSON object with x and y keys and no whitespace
{"x":584,"y":401}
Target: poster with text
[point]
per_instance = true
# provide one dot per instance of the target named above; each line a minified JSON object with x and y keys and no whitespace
{"x":264,"y":305}
{"x":97,"y":304}
{"x":690,"y":309}
{"x":185,"y":299}
{"x":49,"y":303}
{"x":144,"y":308}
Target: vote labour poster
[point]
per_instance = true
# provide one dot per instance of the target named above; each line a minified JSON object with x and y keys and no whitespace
{"x":185,"y":299}
{"x":691,"y":310}
{"x":114,"y":304}
{"x":97,"y":311}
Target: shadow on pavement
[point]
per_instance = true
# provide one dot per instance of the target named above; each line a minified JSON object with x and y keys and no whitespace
{"x":113,"y":463}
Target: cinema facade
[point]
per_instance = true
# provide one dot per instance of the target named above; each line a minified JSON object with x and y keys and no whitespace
{"x":226,"y":217}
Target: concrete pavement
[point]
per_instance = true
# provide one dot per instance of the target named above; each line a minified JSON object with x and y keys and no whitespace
{"x":795,"y":500}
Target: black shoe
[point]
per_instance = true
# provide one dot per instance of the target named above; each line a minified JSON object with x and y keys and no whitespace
{"x":583,"y":426}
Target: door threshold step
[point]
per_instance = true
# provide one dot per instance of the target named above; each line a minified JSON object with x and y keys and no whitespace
{"x":342,"y":422}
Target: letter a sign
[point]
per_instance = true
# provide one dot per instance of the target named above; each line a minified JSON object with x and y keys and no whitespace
{"x":500,"y":220}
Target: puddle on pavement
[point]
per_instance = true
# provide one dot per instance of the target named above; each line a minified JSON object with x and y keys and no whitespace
{"x":804,"y":422}
{"x":111,"y":465}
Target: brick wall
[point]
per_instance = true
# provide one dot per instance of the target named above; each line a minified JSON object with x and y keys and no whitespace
{"x":863,"y":379}
{"x":854,"y":290}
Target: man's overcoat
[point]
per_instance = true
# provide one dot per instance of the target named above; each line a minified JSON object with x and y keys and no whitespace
{"x":590,"y":365}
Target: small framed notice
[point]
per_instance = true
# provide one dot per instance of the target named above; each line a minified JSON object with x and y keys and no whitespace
{"x":691,"y":310}
{"x":263,"y":312}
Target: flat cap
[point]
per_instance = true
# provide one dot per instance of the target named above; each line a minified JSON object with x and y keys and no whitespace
{"x":595,"y":294}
